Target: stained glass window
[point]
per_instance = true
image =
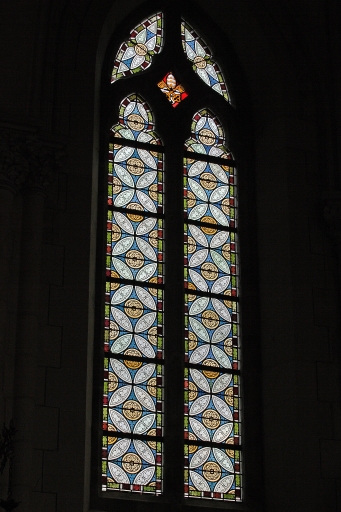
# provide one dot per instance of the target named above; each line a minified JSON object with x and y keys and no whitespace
{"x":174,"y":92}
{"x":133,"y":333}
{"x":201,"y":57}
{"x":134,"y":55}
{"x":212,"y":361}
{"x":135,"y":424}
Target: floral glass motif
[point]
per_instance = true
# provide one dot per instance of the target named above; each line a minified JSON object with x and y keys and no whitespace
{"x":212,"y":361}
{"x":203,"y":63}
{"x":134,"y":55}
{"x":175,"y":93}
{"x":133,"y":331}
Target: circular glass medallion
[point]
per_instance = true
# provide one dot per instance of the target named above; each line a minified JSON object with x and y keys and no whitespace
{"x":192,"y":343}
{"x":209,"y":271}
{"x":134,"y":259}
{"x":152,"y":335}
{"x":141,"y":49}
{"x":208,"y":181}
{"x":113,"y":382}
{"x":210,"y":319}
{"x":151,"y":386}
{"x":192,"y":391}
{"x":211,"y":418}
{"x":135,"y":122}
{"x":190,"y":199}
{"x":135,"y":166}
{"x":152,"y":444}
{"x":229,"y":396}
{"x":212,"y":471}
{"x":133,"y":365}
{"x":116,"y":185}
{"x":132,"y":410}
{"x":192,"y":447}
{"x":207,"y":229}
{"x":131,"y":462}
{"x":210,"y":374}
{"x":134,"y":216}
{"x":153,"y":191}
{"x":200,"y":62}
{"x":191,"y":245}
{"x":133,"y":308}
{"x":207,"y":137}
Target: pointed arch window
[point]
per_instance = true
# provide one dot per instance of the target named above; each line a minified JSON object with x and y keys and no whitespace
{"x":167,"y":335}
{"x":203,"y":63}
{"x":136,"y":54}
{"x":212,"y":389}
{"x":133,"y":333}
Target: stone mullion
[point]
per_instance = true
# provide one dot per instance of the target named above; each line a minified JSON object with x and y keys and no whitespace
{"x":13,"y":172}
{"x":332,"y":214}
{"x":42,"y":165}
{"x":174,"y":350}
{"x":7,"y":193}
{"x":26,"y":344}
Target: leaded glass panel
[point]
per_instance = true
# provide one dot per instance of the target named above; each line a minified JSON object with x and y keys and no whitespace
{"x":175,"y":93}
{"x":133,"y":415}
{"x":133,"y":326}
{"x":212,"y":359}
{"x":134,"y":55}
{"x":203,"y":63}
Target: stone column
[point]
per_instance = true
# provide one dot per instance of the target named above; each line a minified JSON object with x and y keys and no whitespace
{"x":13,"y":172}
{"x":42,"y":161}
{"x":332,"y":214}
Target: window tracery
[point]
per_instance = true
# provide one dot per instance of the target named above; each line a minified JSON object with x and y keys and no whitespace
{"x":203,"y":63}
{"x":133,"y":387}
{"x":133,"y":398}
{"x":136,"y":54}
{"x":212,"y":422}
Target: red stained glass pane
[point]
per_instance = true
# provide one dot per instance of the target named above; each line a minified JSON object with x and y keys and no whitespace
{"x":175,"y":93}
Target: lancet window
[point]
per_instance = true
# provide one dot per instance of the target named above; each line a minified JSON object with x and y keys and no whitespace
{"x":133,"y":334}
{"x":212,"y":390}
{"x":135,"y":419}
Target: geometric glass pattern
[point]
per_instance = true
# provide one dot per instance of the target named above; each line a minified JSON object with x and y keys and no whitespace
{"x":133,"y":325}
{"x":203,"y":64}
{"x":135,"y":55}
{"x":212,"y":357}
{"x":174,"y":92}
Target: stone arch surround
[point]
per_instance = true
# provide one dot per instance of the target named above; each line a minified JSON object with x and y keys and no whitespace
{"x":282,"y":57}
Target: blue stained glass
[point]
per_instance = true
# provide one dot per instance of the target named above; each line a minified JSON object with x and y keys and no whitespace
{"x":213,"y":473}
{"x":212,"y":387}
{"x":135,"y":247}
{"x":135,"y":121}
{"x":140,"y":462}
{"x":203,"y":63}
{"x":210,"y":260}
{"x":133,"y":323}
{"x":136,"y":54}
{"x":207,"y":136}
{"x":135,"y":320}
{"x":134,"y":406}
{"x":210,"y":192}
{"x":136,"y":177}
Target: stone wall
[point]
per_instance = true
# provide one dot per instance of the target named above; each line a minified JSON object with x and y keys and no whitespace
{"x":51,"y":61}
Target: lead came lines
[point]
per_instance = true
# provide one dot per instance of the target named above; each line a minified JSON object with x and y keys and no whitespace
{"x":133,"y":395}
{"x":212,"y":436}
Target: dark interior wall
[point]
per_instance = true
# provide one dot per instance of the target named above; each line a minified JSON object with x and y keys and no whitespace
{"x":51,"y":61}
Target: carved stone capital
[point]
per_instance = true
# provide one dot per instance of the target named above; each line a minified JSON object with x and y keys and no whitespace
{"x":28,"y":160}
{"x":44,"y":160}
{"x":332,"y":214}
{"x":14,"y":168}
